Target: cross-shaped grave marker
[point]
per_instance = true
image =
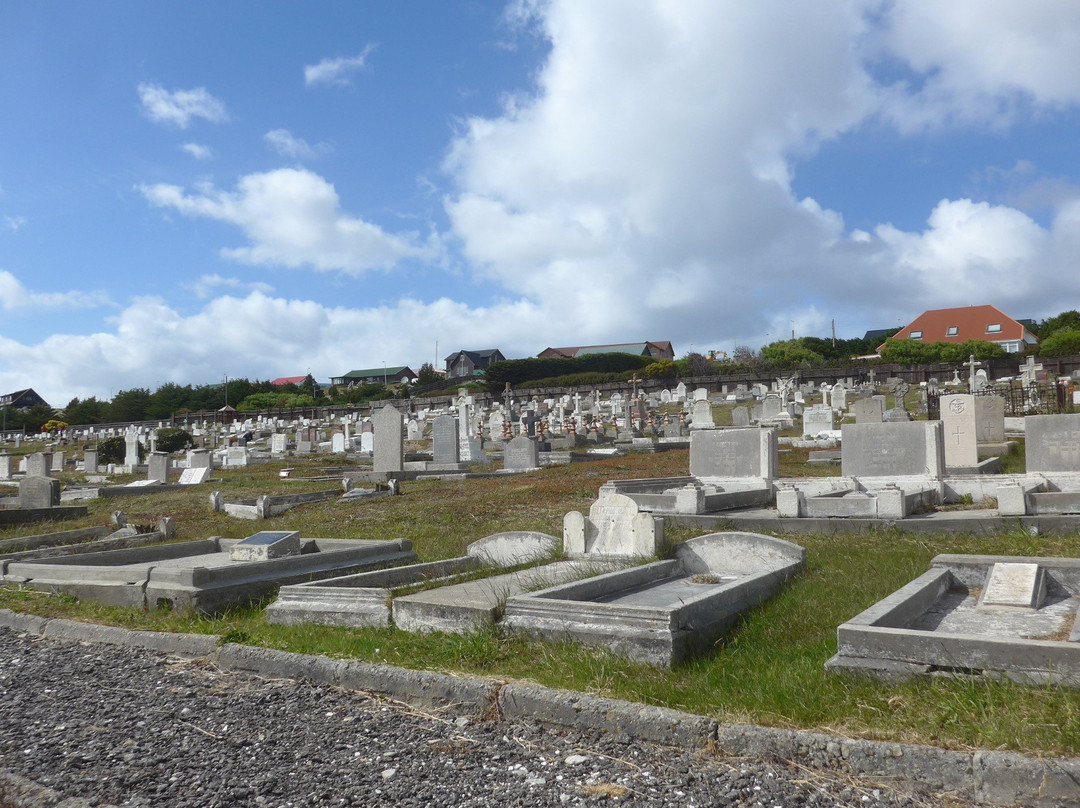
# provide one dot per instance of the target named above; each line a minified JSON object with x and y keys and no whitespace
{"x":971,"y":365}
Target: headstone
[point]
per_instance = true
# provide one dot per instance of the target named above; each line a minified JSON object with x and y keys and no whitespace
{"x":740,"y":416}
{"x":990,"y":419}
{"x":868,"y":410}
{"x":158,"y":467}
{"x":237,"y":456}
{"x":817,"y":420}
{"x":521,"y":454}
{"x":90,"y":462}
{"x":747,"y":452}
{"x":680,"y":391}
{"x":367,"y":442}
{"x":1052,"y":442}
{"x":445,"y":449}
{"x":131,"y":449}
{"x":702,"y":415}
{"x":613,"y":528}
{"x":910,"y":448}
{"x":701,"y":394}
{"x":39,"y":492}
{"x":839,"y":397}
{"x":770,"y":407}
{"x":415,"y":432}
{"x":278,"y":443}
{"x":982,"y":381}
{"x":388,"y":449}
{"x":5,"y":467}
{"x":958,"y":420}
{"x":199,"y":459}
{"x":195,"y":476}
{"x":38,"y":464}
{"x":337,"y":443}
{"x":1013,"y":585}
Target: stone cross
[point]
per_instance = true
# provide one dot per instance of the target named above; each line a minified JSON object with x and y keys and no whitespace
{"x":971,"y":365}
{"x":1029,"y":371}
{"x":528,"y":421}
{"x":506,"y":398}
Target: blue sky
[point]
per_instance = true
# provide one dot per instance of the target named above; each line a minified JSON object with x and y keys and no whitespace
{"x":263,"y":189}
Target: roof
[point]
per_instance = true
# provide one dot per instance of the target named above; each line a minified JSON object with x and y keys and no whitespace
{"x":637,"y":348}
{"x":22,"y":399}
{"x":879,"y":333}
{"x":289,"y":380}
{"x":985,"y":323}
{"x":485,"y":353}
{"x":371,"y":373}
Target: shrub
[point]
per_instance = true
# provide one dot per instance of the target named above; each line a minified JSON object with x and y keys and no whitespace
{"x":1064,"y":342}
{"x":663,"y":369}
{"x":173,"y":439}
{"x":113,"y":450}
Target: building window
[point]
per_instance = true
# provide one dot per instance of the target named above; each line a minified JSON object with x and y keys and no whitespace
{"x":951,"y":331}
{"x":915,"y":335}
{"x":993,"y":328}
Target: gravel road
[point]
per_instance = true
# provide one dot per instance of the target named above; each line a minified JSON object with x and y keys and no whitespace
{"x":124,"y":726}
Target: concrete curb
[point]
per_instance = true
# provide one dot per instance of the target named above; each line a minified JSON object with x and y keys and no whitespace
{"x":983,"y":777}
{"x":621,"y":719}
{"x":419,"y":688}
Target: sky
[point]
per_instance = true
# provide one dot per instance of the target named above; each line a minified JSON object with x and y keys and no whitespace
{"x":193,"y":190}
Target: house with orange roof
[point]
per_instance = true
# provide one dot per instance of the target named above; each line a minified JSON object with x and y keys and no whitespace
{"x":983,"y":323}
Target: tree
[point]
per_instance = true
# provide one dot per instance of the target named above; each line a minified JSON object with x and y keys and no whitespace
{"x":789,"y":353}
{"x":1066,"y":320}
{"x":1063,"y":342}
{"x":88,"y":411}
{"x":663,"y":369}
{"x":427,"y":374}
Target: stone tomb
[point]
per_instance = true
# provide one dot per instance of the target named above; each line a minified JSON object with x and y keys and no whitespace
{"x":1052,"y":482}
{"x":961,"y":440}
{"x":662,"y":612}
{"x":199,"y":575}
{"x":614,"y":527}
{"x":729,"y":468}
{"x":969,"y":615}
{"x":366,"y":599}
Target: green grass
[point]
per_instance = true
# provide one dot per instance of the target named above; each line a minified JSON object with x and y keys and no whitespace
{"x":769,"y":669}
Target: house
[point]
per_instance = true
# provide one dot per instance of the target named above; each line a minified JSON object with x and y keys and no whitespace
{"x":471,"y":363}
{"x":657,"y":350}
{"x":396,"y":374}
{"x":284,"y":380}
{"x":983,"y":323}
{"x":22,"y":400}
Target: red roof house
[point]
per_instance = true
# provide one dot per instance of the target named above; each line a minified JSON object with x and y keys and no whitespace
{"x":984,"y":323}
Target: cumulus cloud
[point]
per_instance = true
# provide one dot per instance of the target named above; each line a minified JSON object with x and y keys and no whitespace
{"x":14,"y":223}
{"x":293,"y":218}
{"x":198,"y":151}
{"x":336,"y":71}
{"x":14,"y":295}
{"x":287,"y":144}
{"x":179,"y":107}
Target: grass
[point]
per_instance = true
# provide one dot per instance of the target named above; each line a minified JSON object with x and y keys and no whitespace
{"x":769,"y":669}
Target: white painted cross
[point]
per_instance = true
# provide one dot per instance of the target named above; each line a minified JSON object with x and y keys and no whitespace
{"x":972,"y":364}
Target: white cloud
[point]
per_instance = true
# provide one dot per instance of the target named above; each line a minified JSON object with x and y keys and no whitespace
{"x":14,"y":223}
{"x":293,"y":218}
{"x":286,"y":144}
{"x":178,"y":107}
{"x":206,"y":285}
{"x":14,"y":295}
{"x":336,"y":71}
{"x":198,"y":151}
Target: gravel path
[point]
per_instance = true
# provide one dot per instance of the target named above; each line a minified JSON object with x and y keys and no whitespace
{"x":124,"y":726}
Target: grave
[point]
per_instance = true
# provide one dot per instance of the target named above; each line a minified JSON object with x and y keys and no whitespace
{"x":663,"y":612}
{"x":729,"y":468}
{"x":194,"y":476}
{"x":961,"y":443}
{"x":90,"y":462}
{"x":521,"y":454}
{"x":997,"y":617}
{"x":446,"y":447}
{"x":37,"y":492}
{"x":159,"y":467}
{"x":266,"y":506}
{"x":702,"y":415}
{"x":38,"y":464}
{"x":1052,"y":482}
{"x":614,"y":527}
{"x":868,"y":410}
{"x":199,"y":575}
{"x":818,"y":421}
{"x":365,"y":599}
{"x":266,"y":545}
{"x":388,"y":450}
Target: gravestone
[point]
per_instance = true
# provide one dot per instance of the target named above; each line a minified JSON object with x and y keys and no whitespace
{"x":278,"y":443}
{"x":817,"y":420}
{"x":39,"y":492}
{"x":839,"y":397}
{"x":158,"y":467}
{"x":521,"y":454}
{"x":990,"y":419}
{"x":337,"y":443}
{"x":90,"y":462}
{"x":367,"y":442}
{"x":740,"y":416}
{"x":958,"y":420}
{"x":868,"y":410}
{"x":131,"y":449}
{"x":194,"y":476}
{"x":237,"y":456}
{"x":702,"y":415}
{"x":388,"y":449}
{"x":5,"y":467}
{"x":38,"y":464}
{"x":770,"y":407}
{"x":445,"y":448}
{"x":902,"y":449}
{"x":743,"y":452}
{"x":1052,"y":442}
{"x":199,"y":459}
{"x":415,"y":432}
{"x":613,"y":528}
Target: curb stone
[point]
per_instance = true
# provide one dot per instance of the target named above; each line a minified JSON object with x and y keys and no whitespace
{"x":983,"y":777}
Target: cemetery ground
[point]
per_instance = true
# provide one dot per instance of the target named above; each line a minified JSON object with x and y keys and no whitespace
{"x":768,"y":670}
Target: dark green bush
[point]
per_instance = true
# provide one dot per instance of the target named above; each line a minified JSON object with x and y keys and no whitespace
{"x":173,"y":439}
